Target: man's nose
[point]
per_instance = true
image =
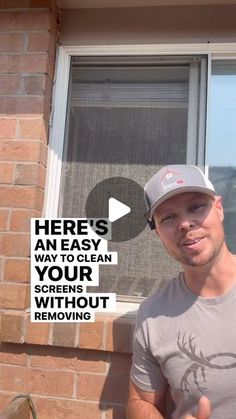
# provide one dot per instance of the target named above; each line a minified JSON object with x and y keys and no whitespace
{"x":185,"y":222}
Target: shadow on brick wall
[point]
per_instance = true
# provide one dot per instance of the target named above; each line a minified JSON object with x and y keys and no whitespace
{"x":114,"y":396}
{"x":115,"y":391}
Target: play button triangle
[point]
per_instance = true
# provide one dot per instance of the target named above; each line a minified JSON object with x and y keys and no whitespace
{"x":119,"y":200}
{"x":117,"y":209}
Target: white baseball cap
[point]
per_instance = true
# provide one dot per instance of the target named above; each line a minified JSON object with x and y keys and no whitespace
{"x":172,"y":180}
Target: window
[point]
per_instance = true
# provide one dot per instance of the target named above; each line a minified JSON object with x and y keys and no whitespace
{"x":128,"y":116}
{"x":221,"y":141}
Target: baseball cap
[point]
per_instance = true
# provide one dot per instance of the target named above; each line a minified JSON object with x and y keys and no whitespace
{"x":172,"y":180}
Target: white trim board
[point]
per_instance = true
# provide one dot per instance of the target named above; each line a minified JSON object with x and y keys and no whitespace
{"x":152,"y":49}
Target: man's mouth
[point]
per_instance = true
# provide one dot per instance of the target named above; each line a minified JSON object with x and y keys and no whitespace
{"x":192,"y":242}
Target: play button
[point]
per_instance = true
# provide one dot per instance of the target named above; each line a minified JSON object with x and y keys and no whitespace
{"x":117,"y":210}
{"x":121,"y":200}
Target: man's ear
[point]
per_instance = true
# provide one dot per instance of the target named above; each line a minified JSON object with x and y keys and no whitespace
{"x":219,"y":207}
{"x":156,"y":229}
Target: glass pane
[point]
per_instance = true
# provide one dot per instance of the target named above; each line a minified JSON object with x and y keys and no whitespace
{"x":125,"y":120}
{"x":221,"y":141}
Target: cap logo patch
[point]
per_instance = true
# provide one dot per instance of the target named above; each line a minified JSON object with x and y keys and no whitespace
{"x":171,"y":178}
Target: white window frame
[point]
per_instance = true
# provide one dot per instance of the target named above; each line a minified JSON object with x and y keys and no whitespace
{"x":59,"y":108}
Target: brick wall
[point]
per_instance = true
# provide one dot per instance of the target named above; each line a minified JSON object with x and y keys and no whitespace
{"x":27,"y":54}
{"x":75,"y":383}
{"x":70,"y":370}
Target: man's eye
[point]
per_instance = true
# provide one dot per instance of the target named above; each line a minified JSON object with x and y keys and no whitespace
{"x":197,"y":207}
{"x":167,"y":218}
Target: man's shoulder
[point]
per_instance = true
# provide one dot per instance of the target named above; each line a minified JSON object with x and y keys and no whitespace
{"x":162,"y":301}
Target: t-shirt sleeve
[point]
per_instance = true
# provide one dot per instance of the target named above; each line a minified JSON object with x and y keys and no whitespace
{"x":145,"y":370}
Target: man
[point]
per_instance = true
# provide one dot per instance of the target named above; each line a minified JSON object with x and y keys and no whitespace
{"x":185,"y":337}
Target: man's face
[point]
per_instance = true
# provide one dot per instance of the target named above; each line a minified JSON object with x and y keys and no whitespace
{"x":190,"y":227}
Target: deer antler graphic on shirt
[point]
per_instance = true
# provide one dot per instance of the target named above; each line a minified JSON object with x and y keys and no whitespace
{"x":200,"y":362}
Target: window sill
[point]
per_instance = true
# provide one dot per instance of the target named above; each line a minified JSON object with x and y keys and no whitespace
{"x":111,"y":332}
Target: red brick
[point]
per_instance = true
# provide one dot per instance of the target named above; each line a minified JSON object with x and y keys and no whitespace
{"x":43,"y":42}
{"x":120,"y":335}
{"x":39,"y":41}
{"x":27,"y":296}
{"x":25,"y":21}
{"x":3,"y":219}
{"x":43,"y":154}
{"x":18,"y":197}
{"x":38,"y":334}
{"x":10,"y":84}
{"x":11,"y":330}
{"x":34,"y":84}
{"x":12,"y":296}
{"x":41,"y":176}
{"x":26,"y":174}
{"x":51,"y":65}
{"x":6,"y":172}
{"x":120,"y":364}
{"x":7,"y":127}
{"x":106,"y":389}
{"x":23,"y":63}
{"x":20,"y":105}
{"x":31,"y":128}
{"x":39,"y":200}
{"x":47,"y":111}
{"x":22,"y":151}
{"x":20,"y":220}
{"x":48,"y":90}
{"x":90,"y":386}
{"x":12,"y":354}
{"x":17,"y":270}
{"x":38,"y":85}
{"x":69,"y":409}
{"x":37,"y":381}
{"x":11,"y":42}
{"x":14,"y":245}
{"x":115,"y":389}
{"x":64,"y":334}
{"x":91,"y":335}
{"x":73,"y":359}
{"x":2,"y":263}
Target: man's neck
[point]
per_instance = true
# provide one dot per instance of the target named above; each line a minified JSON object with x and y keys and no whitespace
{"x":213,"y":279}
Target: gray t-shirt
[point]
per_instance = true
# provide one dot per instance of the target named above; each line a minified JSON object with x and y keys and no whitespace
{"x":188,"y":342}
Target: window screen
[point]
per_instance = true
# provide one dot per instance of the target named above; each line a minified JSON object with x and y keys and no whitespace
{"x":127,"y":117}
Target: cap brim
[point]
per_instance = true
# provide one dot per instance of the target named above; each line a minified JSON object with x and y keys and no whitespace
{"x":178,"y":191}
